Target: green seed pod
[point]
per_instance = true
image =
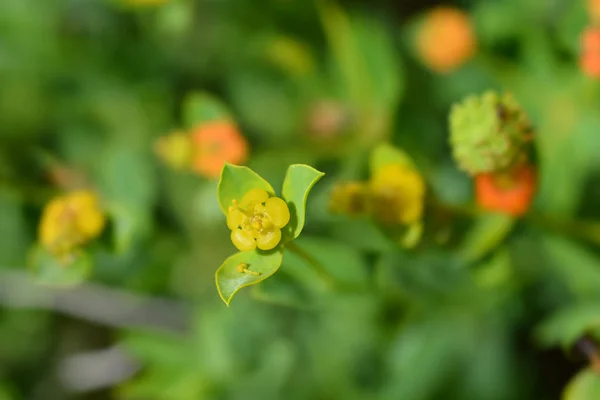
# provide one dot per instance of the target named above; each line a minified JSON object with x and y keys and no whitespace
{"x":488,"y":133}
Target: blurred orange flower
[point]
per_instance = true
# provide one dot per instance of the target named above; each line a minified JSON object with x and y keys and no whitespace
{"x":510,"y":193}
{"x":216,"y":143}
{"x":590,"y":52}
{"x":70,"y":220}
{"x":445,"y":39}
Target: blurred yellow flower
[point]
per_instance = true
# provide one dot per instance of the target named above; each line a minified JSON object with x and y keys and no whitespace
{"x":256,"y":220}
{"x":445,"y":39}
{"x":397,"y":195}
{"x":175,"y":149}
{"x":349,"y":198}
{"x":71,"y":220}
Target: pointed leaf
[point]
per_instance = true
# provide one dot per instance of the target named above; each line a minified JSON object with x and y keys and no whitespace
{"x":235,"y":182}
{"x":49,"y":270}
{"x":298,"y":182}
{"x":199,"y":107}
{"x":385,"y":154}
{"x":261,"y":264}
{"x":570,"y":323}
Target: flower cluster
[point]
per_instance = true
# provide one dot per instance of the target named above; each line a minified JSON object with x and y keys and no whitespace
{"x":69,"y":221}
{"x":490,"y":137}
{"x":488,"y":133}
{"x":445,"y":39}
{"x":393,"y":196}
{"x":256,"y":220}
{"x":205,"y":149}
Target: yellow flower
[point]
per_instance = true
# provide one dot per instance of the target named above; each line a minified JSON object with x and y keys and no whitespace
{"x":69,"y":221}
{"x":397,"y":194}
{"x":256,"y":220}
{"x":174,"y":149}
{"x":349,"y":198}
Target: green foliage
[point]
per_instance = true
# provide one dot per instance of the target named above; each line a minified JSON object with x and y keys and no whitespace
{"x":586,"y":385}
{"x":461,"y":305}
{"x":202,"y":107}
{"x":570,"y":323}
{"x":298,"y":182}
{"x":69,"y":270}
{"x":230,"y":279}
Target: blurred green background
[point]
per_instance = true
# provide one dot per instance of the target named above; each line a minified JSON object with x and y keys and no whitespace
{"x":86,"y":88}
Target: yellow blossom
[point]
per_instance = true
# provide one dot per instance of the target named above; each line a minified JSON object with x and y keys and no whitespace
{"x":69,"y":221}
{"x":256,"y":220}
{"x":175,"y":149}
{"x":349,"y":198}
{"x":397,"y":194}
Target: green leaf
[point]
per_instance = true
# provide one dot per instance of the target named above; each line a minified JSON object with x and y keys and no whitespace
{"x":6,"y":392}
{"x":199,"y":107}
{"x":572,"y":264}
{"x":49,"y":270}
{"x":365,"y":58}
{"x":235,"y":182}
{"x":488,"y":231}
{"x":341,"y":261}
{"x":585,"y":386}
{"x":123,"y":226}
{"x":385,"y":154}
{"x":298,"y":181}
{"x":230,"y":280}
{"x":569,"y":324}
{"x":282,"y":290}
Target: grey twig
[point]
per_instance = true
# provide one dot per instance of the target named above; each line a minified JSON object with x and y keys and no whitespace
{"x":93,"y":302}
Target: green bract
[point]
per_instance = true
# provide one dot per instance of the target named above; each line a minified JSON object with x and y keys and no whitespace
{"x":200,"y":107}
{"x":488,"y":133}
{"x":250,"y":267}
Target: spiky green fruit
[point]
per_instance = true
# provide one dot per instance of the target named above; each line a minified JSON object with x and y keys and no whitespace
{"x":488,"y":133}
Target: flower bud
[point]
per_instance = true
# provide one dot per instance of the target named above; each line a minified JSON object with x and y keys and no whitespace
{"x":488,"y":133}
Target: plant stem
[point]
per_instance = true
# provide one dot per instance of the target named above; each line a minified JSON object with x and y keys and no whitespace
{"x":319,"y":269}
{"x":582,"y":229}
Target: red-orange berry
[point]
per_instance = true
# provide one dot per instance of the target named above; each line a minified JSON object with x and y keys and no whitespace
{"x":509,"y":193}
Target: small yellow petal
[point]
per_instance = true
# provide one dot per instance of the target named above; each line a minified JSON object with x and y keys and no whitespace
{"x":50,"y":224}
{"x":412,"y":212}
{"x":235,"y":218}
{"x":242,"y":239}
{"x":253,"y":197}
{"x":268,"y":240}
{"x":278,"y":211}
